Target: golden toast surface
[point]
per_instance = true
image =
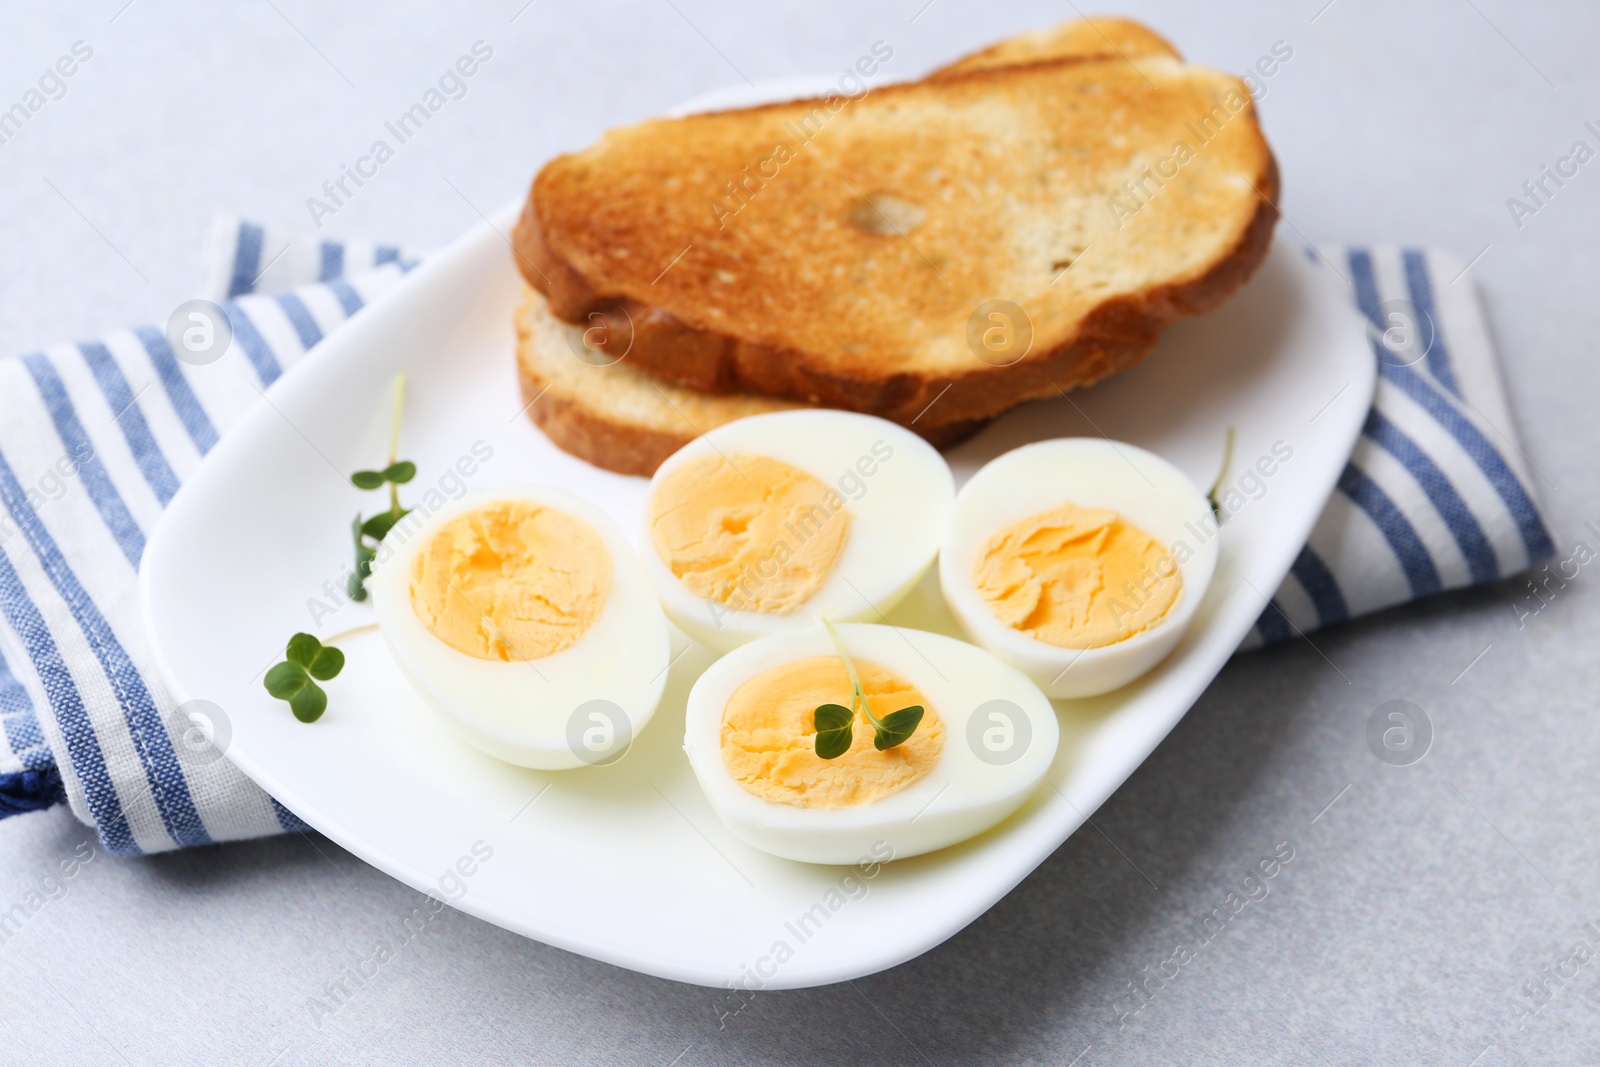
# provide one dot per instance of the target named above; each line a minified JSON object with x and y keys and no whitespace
{"x":1096,"y":37}
{"x":841,"y":249}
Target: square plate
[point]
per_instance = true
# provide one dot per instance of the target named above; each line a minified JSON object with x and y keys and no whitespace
{"x":628,"y":863}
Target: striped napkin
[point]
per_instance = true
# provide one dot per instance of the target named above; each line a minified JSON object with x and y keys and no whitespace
{"x":1437,"y":493}
{"x":96,"y":437}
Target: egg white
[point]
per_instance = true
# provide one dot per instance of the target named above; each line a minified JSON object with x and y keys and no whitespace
{"x":896,"y":519}
{"x":962,"y":795}
{"x":1090,"y":472}
{"x":522,"y":712}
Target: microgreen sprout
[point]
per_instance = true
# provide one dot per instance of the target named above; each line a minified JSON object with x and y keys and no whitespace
{"x":291,"y":680}
{"x":396,"y":474}
{"x":1216,"y":486}
{"x":835,"y":723}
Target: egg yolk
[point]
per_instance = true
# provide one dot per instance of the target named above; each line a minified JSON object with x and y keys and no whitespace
{"x":1077,"y":577}
{"x":749,"y":531}
{"x":512,"y":580}
{"x":769,"y":736}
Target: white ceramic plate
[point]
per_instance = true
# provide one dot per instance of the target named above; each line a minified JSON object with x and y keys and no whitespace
{"x":627,"y":863}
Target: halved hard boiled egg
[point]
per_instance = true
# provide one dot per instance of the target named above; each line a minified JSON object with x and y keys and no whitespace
{"x":1079,"y":561}
{"x":766,"y":523}
{"x":525,"y":618}
{"x":986,"y":738}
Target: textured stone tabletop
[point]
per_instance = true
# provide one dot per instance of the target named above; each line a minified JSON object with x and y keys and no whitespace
{"x":1435,"y":913}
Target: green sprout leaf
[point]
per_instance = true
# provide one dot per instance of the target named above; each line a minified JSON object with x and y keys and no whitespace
{"x":834,"y":721}
{"x":356,"y":584}
{"x":303,"y":649}
{"x":309,"y":703}
{"x":290,"y":680}
{"x":330,"y":661}
{"x":897,"y":726}
{"x":397,"y":473}
{"x":321,"y":662}
{"x":834,"y":724}
{"x":284,"y":680}
{"x":1216,"y":486}
{"x":400,"y":473}
{"x":381,"y":523}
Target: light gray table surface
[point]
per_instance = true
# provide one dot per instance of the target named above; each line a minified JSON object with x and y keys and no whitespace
{"x":1420,"y":899}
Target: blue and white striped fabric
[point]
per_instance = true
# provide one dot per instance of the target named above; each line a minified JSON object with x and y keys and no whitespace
{"x":1437,"y":494}
{"x":95,"y":438}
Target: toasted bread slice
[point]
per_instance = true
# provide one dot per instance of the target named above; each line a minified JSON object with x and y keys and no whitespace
{"x":850,"y":252}
{"x":1090,"y":38}
{"x":620,"y":418}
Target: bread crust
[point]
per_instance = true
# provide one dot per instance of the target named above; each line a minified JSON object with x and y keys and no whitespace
{"x":578,"y":430}
{"x":582,"y":423}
